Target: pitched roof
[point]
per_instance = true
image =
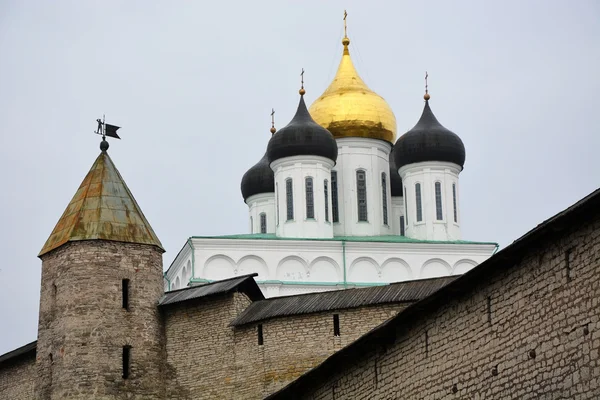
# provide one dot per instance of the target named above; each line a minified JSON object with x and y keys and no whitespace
{"x":244,"y":283}
{"x":386,"y":332}
{"x":29,"y":348}
{"x":102,"y":208}
{"x":409,"y":291}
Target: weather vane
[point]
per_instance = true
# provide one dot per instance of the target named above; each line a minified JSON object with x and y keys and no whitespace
{"x":345,"y":31}
{"x":273,"y":130}
{"x":302,"y":91}
{"x":105,"y":130}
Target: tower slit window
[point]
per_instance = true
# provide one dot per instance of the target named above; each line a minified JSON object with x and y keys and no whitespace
{"x":326,"y":193}
{"x":125,"y":293}
{"x":384,"y":197}
{"x":336,"y":325}
{"x":126,"y":361}
{"x":361,"y":194}
{"x":438,"y":201}
{"x":289,"y":198}
{"x":310,"y":198}
{"x":263,"y":223}
{"x":334,"y":197}
{"x":418,"y":200}
{"x":259,"y":332}
{"x":454,"y":202}
{"x":402,"y":226}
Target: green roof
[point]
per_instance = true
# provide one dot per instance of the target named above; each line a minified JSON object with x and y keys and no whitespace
{"x":370,"y":239}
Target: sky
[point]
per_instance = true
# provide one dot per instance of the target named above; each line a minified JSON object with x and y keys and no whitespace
{"x":192,"y":84}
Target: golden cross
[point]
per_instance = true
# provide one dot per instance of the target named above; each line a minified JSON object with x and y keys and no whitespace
{"x":426,"y":76}
{"x":345,"y":32}
{"x":302,"y":78}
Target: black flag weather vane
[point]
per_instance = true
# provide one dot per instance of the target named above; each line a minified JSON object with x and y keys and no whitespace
{"x":105,"y":130}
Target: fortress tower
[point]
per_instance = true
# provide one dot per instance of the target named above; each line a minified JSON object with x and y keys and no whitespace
{"x":99,"y":333}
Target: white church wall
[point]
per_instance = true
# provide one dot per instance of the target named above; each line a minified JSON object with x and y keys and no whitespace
{"x":397,"y":212}
{"x":287,"y":266}
{"x":262,"y":203}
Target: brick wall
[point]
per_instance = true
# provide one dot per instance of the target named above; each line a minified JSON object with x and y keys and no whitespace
{"x":527,"y":331}
{"x":292,"y":345}
{"x":17,"y":378}
{"x":200,"y":346}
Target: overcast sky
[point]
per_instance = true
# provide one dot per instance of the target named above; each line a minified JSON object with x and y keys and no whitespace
{"x":192,"y":85}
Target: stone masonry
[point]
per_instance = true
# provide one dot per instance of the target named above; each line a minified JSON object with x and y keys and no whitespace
{"x":17,"y":379}
{"x":528,"y":330}
{"x":83,"y":326}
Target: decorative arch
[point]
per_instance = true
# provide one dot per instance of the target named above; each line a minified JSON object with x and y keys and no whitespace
{"x":177,"y":283}
{"x":325,"y":269}
{"x":396,"y":270}
{"x":251,"y":263}
{"x":292,"y":268}
{"x":462,"y":266}
{"x":189,"y":269}
{"x":364,"y":269}
{"x":218,"y":267}
{"x":434,"y":268}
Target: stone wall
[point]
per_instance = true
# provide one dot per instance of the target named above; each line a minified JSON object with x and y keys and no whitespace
{"x":200,"y":346}
{"x":83,"y":326}
{"x":529,"y":330}
{"x":17,"y":378}
{"x":292,"y":345}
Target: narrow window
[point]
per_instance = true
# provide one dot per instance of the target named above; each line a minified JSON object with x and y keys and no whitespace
{"x":405,"y":205}
{"x":454,"y":202}
{"x":310,"y":198}
{"x":438,"y":201}
{"x":289,"y":197}
{"x":259,"y":331}
{"x":568,"y":264}
{"x":126,"y":361}
{"x":334,"y":197}
{"x":384,"y":197}
{"x":263,"y":223}
{"x":277,"y":201}
{"x":125,"y":290}
{"x":402,"y":226}
{"x":326,"y":192}
{"x":251,"y":225}
{"x":336,"y":325}
{"x":418,"y":199}
{"x":361,"y":194}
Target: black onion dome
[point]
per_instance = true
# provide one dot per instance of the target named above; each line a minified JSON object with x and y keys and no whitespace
{"x":302,"y":137}
{"x":258,"y":179}
{"x":395,"y":180}
{"x":428,"y":140}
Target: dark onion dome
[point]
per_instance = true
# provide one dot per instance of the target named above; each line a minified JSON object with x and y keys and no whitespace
{"x":428,"y":140}
{"x":258,"y":179}
{"x":302,"y":137}
{"x":395,"y":180}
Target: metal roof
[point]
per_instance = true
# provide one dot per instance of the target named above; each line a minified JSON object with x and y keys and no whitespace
{"x":409,"y":291}
{"x":21,"y":351}
{"x":244,"y":283}
{"x":388,"y":332}
{"x":102,"y":208}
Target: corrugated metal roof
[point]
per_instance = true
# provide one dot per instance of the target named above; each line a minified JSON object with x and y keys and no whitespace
{"x":244,"y":283}
{"x":408,"y":291}
{"x":21,"y":351}
{"x":102,"y":208}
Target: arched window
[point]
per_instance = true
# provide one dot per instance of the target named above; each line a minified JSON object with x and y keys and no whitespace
{"x":251,"y":225}
{"x":361,"y":195}
{"x":310,"y":198}
{"x":402,"y":226}
{"x":289,"y":199}
{"x":326,"y":192}
{"x":334,"y":197}
{"x":263,"y":223}
{"x":277,"y":201}
{"x":454,"y":202}
{"x":418,"y":199}
{"x":405,"y":206}
{"x":438,"y":201}
{"x":384,"y":197}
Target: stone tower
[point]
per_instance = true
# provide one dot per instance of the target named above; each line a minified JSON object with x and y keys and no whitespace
{"x":100,"y":334}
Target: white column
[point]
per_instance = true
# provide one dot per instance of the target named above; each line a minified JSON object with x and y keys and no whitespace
{"x":427,"y":174}
{"x":297,"y":169}
{"x":259,"y":204}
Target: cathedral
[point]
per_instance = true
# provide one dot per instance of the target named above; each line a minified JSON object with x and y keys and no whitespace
{"x":353,"y":282}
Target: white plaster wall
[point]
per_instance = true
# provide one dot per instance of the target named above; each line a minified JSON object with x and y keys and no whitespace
{"x":427,"y":173}
{"x":298,"y":168}
{"x":372,"y":156}
{"x":397,"y":212}
{"x":258,"y":204}
{"x":300,"y":266}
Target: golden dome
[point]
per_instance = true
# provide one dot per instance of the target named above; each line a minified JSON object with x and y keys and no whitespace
{"x":348,"y":108}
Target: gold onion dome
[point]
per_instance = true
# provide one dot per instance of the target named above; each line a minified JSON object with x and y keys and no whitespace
{"x":348,"y":108}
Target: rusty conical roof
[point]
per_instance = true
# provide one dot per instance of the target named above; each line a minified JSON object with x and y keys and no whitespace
{"x":103,"y":208}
